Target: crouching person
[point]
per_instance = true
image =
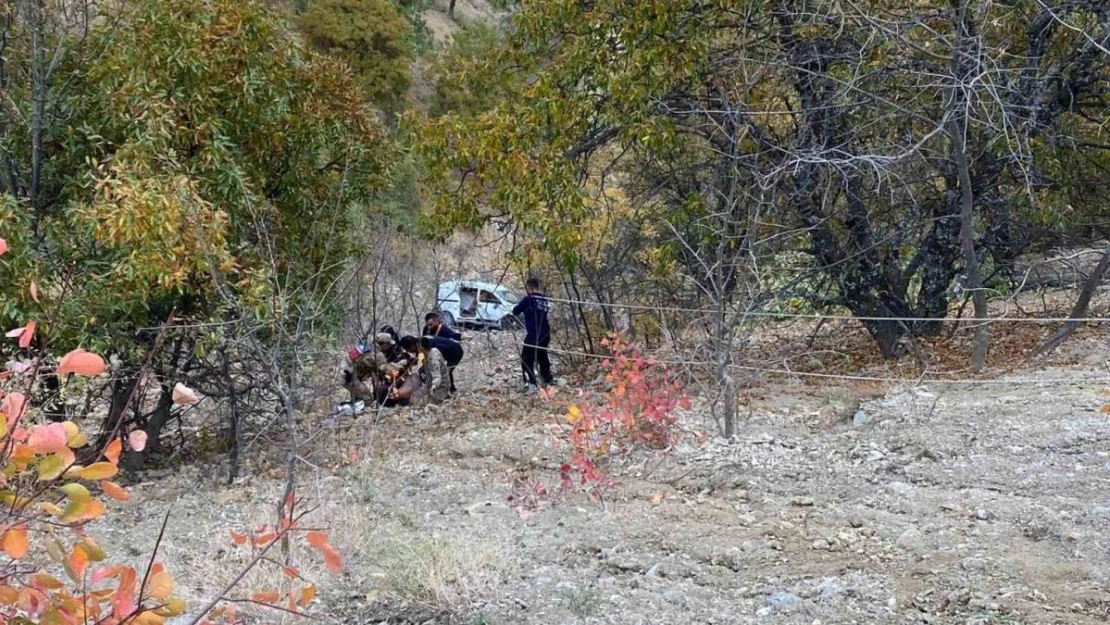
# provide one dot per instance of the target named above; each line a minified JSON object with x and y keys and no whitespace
{"x":362,"y":382}
{"x":436,"y":373}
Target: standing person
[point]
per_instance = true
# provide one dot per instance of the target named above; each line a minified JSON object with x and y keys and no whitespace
{"x":533,"y":311}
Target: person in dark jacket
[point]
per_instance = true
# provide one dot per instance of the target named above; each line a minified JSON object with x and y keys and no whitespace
{"x":434,"y":327}
{"x":532,"y":310}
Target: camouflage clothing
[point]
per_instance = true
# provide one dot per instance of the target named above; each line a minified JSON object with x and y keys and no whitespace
{"x":437,"y":375}
{"x":370,"y":371}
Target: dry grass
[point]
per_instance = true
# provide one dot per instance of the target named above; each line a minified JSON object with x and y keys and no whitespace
{"x":441,"y":572}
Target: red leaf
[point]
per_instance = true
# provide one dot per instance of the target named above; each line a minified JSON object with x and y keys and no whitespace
{"x":3,"y":247}
{"x":49,"y":438}
{"x":103,"y":573}
{"x":12,"y":407}
{"x":238,"y":539}
{"x":265,"y":597}
{"x":81,"y":362}
{"x":123,"y":602}
{"x":28,"y":334}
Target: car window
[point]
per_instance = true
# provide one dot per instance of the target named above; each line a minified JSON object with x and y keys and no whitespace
{"x":488,"y":298}
{"x":509,"y":297}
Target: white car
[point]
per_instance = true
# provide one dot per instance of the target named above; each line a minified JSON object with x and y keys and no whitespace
{"x":476,"y":304}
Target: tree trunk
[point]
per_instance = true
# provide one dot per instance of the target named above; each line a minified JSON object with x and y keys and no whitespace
{"x":231,"y":434}
{"x":1080,"y":309}
{"x":964,"y":65}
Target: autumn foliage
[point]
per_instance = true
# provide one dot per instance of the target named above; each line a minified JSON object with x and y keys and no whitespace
{"x":55,"y":573}
{"x":638,"y":412}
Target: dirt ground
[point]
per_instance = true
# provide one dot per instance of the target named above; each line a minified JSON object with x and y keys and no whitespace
{"x":941,"y":503}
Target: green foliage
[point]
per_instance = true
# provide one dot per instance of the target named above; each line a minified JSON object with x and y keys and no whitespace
{"x":373,"y":36}
{"x":464,"y":81}
{"x":207,"y":158}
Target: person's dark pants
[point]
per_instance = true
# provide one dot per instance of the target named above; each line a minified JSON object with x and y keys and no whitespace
{"x":535,"y":352}
{"x":453,"y":354}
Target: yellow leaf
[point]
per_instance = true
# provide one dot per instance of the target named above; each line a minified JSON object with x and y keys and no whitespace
{"x":174,"y":606}
{"x":574,"y":415}
{"x":82,"y":510}
{"x":149,"y":617}
{"x":50,"y":508}
{"x":98,"y":471}
{"x":51,"y":468}
{"x":92,"y":550}
{"x":75,"y":491}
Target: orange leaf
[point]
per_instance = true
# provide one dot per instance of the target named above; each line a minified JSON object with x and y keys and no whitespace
{"x":264,"y":538}
{"x":114,"y":491}
{"x":98,"y":471}
{"x":137,"y":440}
{"x":15,"y":542}
{"x":8,"y":595}
{"x":290,"y":572}
{"x":77,"y":564}
{"x":113,"y":450}
{"x":266,"y":597}
{"x":238,"y":539}
{"x":331,"y":557}
{"x":307,"y":594}
{"x":28,"y":334}
{"x":160,"y":585}
{"x":81,"y":362}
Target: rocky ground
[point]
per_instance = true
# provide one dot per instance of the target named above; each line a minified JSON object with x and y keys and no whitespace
{"x":943,"y":503}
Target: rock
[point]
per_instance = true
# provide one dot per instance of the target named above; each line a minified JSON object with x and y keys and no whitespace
{"x":982,"y":514}
{"x":821,"y":544}
{"x":860,"y":418}
{"x":911,"y":540}
{"x":802,"y":502}
{"x":855,"y":521}
{"x":1100,"y":510}
{"x":899,"y":488}
{"x":782,"y":600}
{"x":829,"y":588}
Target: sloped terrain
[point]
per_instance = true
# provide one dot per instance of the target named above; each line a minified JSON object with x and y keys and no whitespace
{"x":949,"y":503}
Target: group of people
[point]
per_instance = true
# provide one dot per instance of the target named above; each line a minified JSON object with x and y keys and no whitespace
{"x":405,"y":370}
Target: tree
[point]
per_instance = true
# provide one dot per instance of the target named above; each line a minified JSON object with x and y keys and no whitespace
{"x":195,"y":174}
{"x":372,"y":36}
{"x":831,"y":124}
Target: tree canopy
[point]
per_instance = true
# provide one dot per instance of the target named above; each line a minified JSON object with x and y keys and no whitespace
{"x":763,"y":128}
